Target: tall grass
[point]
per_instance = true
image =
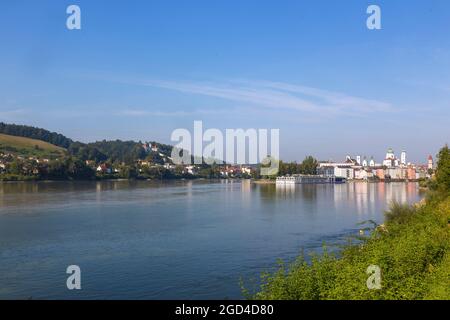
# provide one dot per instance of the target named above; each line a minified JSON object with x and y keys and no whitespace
{"x":412,"y":250}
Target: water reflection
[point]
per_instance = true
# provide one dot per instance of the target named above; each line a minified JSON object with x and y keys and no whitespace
{"x":170,"y":240}
{"x":365,"y":197}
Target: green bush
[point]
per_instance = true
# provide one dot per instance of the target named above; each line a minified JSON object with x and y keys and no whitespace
{"x":411,"y":250}
{"x":399,"y":213}
{"x":443,"y":170}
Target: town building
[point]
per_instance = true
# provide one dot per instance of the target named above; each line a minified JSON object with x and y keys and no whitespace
{"x":344,"y":172}
{"x":365,"y":163}
{"x":389,"y":160}
{"x":103,"y":168}
{"x":430,"y":163}
{"x":363,"y":174}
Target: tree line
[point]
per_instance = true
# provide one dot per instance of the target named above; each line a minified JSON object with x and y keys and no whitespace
{"x":308,"y":166}
{"x":35,"y":133}
{"x":116,"y":151}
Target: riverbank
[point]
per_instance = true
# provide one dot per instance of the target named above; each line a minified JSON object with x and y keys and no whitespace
{"x":20,"y":178}
{"x":272,"y":181}
{"x":411,"y":249}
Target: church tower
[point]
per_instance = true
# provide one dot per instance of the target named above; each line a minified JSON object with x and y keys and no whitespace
{"x":390,"y":154}
{"x":430,"y":162}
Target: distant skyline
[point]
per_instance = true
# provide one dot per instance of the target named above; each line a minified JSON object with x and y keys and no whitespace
{"x":138,"y":70}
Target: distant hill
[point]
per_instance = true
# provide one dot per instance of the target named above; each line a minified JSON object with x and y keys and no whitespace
{"x":35,"y":133}
{"x":37,"y":140}
{"x":29,"y":147}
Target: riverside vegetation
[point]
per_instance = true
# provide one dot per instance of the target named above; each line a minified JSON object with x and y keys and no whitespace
{"x":412,"y":249}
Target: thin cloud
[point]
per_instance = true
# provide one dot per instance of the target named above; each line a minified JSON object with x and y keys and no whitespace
{"x":270,"y":95}
{"x":278,"y":95}
{"x":339,"y":100}
{"x":142,"y":113}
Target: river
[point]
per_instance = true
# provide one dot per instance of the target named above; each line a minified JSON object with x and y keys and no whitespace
{"x":170,"y":240}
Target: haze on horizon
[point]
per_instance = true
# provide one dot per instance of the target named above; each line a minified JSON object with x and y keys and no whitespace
{"x":310,"y":68}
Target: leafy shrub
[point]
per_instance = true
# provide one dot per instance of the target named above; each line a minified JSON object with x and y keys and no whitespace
{"x":412,"y":252}
{"x":399,"y":212}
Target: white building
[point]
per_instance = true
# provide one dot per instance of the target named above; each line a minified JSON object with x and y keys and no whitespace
{"x":397,"y":173}
{"x":344,"y":172}
{"x":365,"y":163}
{"x":363,"y":174}
{"x":246,"y":170}
{"x":190,"y":169}
{"x":339,"y":169}
{"x":390,"y":154}
{"x":390,"y":160}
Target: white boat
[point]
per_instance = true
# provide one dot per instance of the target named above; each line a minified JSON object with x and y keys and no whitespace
{"x":306,"y":179}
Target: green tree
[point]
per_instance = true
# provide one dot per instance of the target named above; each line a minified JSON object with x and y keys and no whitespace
{"x":128,"y":172}
{"x":56,"y":170}
{"x":77,"y":169}
{"x":443,"y":170}
{"x":15,"y":167}
{"x":309,"y":166}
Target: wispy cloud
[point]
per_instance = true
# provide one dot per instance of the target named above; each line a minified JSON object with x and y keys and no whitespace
{"x":337,"y":100}
{"x":140,"y":112}
{"x":143,"y":112}
{"x":264,"y":94}
{"x":276,"y":95}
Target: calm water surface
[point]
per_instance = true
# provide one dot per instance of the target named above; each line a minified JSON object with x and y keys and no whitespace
{"x":181,"y":240}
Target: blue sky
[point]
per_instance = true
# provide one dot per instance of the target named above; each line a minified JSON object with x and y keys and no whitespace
{"x":140,"y":69}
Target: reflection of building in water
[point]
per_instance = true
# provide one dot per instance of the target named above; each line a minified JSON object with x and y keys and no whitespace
{"x":399,"y":192}
{"x":285,"y":190}
{"x":246,"y":189}
{"x":364,"y":194}
{"x":396,"y":192}
{"x":356,"y":195}
{"x":305,"y":191}
{"x":246,"y":186}
{"x":367,"y":197}
{"x":230,"y":185}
